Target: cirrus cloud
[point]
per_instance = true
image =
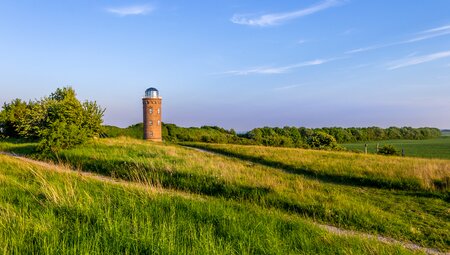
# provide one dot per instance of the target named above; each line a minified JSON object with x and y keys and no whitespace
{"x":420,"y":36}
{"x":131,"y":10}
{"x":418,"y":60}
{"x":279,"y":69}
{"x":278,"y":18}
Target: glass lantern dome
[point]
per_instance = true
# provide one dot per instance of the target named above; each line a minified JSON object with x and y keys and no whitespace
{"x":152,"y":93}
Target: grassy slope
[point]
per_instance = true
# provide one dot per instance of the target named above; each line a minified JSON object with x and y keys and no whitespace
{"x":366,"y":192}
{"x":419,"y":215}
{"x":429,"y":148}
{"x":45,"y":211}
{"x":426,"y":175}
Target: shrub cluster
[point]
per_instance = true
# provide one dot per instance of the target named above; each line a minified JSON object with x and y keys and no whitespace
{"x":59,"y":121}
{"x":388,"y":150}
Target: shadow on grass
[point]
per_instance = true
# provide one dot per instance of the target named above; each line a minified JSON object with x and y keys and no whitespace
{"x":189,"y":182}
{"x":132,"y":171}
{"x":18,"y":146}
{"x":204,"y":184}
{"x":357,"y":181}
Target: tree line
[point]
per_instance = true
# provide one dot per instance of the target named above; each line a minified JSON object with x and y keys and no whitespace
{"x":300,"y":137}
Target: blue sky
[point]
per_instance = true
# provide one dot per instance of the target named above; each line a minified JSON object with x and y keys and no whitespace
{"x":236,"y":64}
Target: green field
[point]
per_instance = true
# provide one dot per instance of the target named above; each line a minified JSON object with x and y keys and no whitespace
{"x":403,"y":198}
{"x":428,"y":148}
{"x":44,"y":211}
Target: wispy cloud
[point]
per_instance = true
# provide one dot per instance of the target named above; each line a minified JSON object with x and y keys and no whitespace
{"x":420,"y":36}
{"x":368,"y":48}
{"x":430,"y":33}
{"x":130,"y":10}
{"x":410,"y":61}
{"x":277,"y":70}
{"x":438,"y":29}
{"x":287,"y":87}
{"x":278,"y":18}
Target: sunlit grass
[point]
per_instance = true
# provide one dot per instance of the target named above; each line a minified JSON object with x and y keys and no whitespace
{"x":53,"y":212}
{"x":359,"y":169}
{"x":332,"y":188}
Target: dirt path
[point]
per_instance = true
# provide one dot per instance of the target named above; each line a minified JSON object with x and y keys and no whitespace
{"x":331,"y":229}
{"x":383,"y":239}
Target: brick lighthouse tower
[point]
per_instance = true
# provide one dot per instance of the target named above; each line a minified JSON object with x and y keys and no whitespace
{"x":152,"y":115}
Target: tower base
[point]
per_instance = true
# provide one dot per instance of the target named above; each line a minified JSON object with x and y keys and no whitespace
{"x":153,"y":139}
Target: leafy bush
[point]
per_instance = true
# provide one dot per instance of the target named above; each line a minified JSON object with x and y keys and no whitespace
{"x":61,"y":135}
{"x":17,"y":119}
{"x":59,"y":121}
{"x":388,"y":150}
{"x":321,"y":140}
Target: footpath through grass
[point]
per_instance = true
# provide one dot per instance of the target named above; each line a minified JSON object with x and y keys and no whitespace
{"x":48,"y":212}
{"x":428,"y":148}
{"x":411,"y":208}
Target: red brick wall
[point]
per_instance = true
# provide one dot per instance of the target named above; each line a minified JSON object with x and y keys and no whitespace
{"x":152,"y":118}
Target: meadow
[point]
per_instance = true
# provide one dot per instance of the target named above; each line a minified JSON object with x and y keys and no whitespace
{"x":415,"y":174}
{"x":49,"y":211}
{"x":427,"y":148}
{"x":403,"y":198}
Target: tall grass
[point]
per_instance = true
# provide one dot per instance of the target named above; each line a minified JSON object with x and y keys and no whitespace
{"x":50,"y":212}
{"x":349,"y":168}
{"x":418,"y":215}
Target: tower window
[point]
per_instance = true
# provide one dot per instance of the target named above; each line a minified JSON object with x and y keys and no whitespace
{"x":150,"y":122}
{"x":150,"y":133}
{"x":159,"y":122}
{"x":159,"y":110}
{"x":150,"y":110}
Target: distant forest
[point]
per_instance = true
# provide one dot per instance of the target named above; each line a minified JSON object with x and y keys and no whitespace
{"x":273,"y":136}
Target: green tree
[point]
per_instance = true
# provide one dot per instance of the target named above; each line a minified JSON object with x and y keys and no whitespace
{"x":321,"y":140}
{"x":11,"y":117}
{"x":59,"y":121}
{"x":68,"y":122}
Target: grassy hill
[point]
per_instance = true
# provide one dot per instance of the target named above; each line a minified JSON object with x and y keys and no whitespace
{"x":55,"y":211}
{"x":348,"y":168}
{"x":402,"y":198}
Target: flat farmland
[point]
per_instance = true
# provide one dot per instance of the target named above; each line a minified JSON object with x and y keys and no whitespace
{"x":429,"y":148}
